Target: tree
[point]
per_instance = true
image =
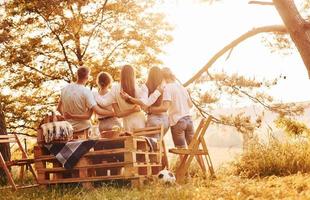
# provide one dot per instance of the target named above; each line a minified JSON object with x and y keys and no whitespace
{"x":297,"y":27}
{"x":4,"y":148}
{"x":298,"y":30}
{"x":43,"y":42}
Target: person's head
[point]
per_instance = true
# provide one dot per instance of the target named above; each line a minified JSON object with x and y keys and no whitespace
{"x":154,"y":80}
{"x":82,"y":74}
{"x":128,"y":80}
{"x":104,"y":80}
{"x":167,"y":74}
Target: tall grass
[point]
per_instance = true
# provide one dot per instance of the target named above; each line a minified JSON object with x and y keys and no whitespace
{"x":275,"y":158}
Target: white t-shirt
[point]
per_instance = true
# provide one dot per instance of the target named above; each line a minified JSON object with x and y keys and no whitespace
{"x":134,"y":120}
{"x":99,"y":99}
{"x":76,"y":99}
{"x":142,"y":93}
{"x":179,"y":98}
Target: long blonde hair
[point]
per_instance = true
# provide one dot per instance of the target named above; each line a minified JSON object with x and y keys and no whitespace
{"x":128,"y":80}
{"x":154,"y":80}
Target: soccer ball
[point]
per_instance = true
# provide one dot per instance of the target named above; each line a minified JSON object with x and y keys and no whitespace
{"x":166,"y":176}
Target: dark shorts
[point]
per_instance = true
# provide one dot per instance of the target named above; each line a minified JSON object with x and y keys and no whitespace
{"x":183,"y":132}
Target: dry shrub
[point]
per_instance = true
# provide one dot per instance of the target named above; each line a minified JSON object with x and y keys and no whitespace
{"x":275,"y":158}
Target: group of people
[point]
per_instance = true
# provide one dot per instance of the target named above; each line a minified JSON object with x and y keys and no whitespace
{"x":161,"y":100}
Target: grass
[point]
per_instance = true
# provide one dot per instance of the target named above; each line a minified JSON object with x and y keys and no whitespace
{"x":272,"y":171}
{"x":275,"y":158}
{"x":224,"y":187}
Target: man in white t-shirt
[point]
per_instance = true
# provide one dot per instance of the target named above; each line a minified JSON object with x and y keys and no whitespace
{"x":177,"y":102}
{"x":76,"y":99}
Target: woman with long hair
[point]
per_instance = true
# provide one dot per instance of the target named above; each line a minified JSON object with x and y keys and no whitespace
{"x":150,"y":96}
{"x":131,"y":120}
{"x":177,"y":102}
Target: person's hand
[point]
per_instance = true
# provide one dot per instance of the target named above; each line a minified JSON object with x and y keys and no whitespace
{"x":124,"y":95}
{"x":67,"y":115}
{"x":145,"y":108}
{"x":160,"y":89}
{"x":136,"y":108}
{"x":149,"y":110}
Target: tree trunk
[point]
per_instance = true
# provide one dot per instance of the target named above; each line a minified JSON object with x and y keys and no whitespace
{"x":297,"y":27}
{"x":4,"y":148}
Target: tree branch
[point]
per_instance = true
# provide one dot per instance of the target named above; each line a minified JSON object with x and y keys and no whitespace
{"x":251,"y":33}
{"x":113,"y":50}
{"x":60,"y":42}
{"x":262,"y":3}
{"x":25,"y":134}
{"x":21,"y":126}
{"x":42,"y":73}
{"x":94,"y":29}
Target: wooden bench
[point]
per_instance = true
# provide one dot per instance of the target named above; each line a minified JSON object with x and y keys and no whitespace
{"x":124,"y":158}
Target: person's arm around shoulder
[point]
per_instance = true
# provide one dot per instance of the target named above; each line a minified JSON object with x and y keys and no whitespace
{"x":125,"y":113}
{"x":101,"y":111}
{"x":147,"y":99}
{"x":91,"y":104}
{"x":160,"y":109}
{"x":167,"y":99}
{"x":86,"y":116}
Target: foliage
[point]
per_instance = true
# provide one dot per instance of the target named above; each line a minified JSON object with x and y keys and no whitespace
{"x":278,"y":43}
{"x":274,"y":158}
{"x":292,"y":127}
{"x":42,"y":43}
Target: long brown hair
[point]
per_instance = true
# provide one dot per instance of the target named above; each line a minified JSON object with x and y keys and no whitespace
{"x":154,"y":79}
{"x":167,"y":74}
{"x":128,"y":80}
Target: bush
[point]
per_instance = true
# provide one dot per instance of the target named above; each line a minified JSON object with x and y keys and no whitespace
{"x":274,"y":158}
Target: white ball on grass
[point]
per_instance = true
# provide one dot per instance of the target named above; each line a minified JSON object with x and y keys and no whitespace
{"x":166,"y":176}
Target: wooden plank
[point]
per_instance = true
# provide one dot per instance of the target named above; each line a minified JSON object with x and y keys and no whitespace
{"x":7,"y":140}
{"x":19,"y":162}
{"x":20,"y":186}
{"x":27,"y":186}
{"x":146,"y":129}
{"x":147,"y":133}
{"x":146,"y":165}
{"x":208,"y":158}
{"x":89,"y":179}
{"x":114,"y":139}
{"x":106,"y":152}
{"x":104,"y":165}
{"x":7,"y":136}
{"x":7,"y":172}
{"x":188,"y":151}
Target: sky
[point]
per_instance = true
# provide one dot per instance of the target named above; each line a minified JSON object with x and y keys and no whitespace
{"x":201,"y":30}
